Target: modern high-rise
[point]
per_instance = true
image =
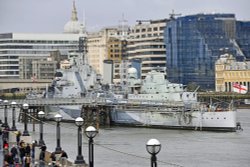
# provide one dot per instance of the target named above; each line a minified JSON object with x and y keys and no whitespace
{"x":195,"y":42}
{"x":146,"y":42}
{"x":243,"y":37}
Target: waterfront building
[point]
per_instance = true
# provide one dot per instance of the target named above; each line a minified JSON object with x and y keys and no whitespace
{"x":243,"y":37}
{"x":35,"y":68}
{"x":117,"y":51}
{"x":32,"y":45}
{"x":146,"y":43}
{"x":195,"y":42}
{"x":14,"y":45}
{"x":106,"y":44}
{"x":229,"y":71}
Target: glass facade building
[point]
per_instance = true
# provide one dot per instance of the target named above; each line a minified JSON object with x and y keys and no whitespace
{"x":194,"y":43}
{"x":243,"y":37}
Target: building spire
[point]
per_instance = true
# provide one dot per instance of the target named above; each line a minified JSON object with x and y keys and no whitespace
{"x":74,"y":12}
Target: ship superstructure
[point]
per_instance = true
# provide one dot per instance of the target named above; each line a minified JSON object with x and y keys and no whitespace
{"x":183,"y":110}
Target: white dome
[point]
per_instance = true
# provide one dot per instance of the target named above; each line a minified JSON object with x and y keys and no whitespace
{"x":72,"y":27}
{"x":132,"y":70}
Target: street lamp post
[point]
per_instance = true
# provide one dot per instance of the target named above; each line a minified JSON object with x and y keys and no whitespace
{"x":79,"y":157}
{"x":58,"y":119}
{"x":5,"y":124}
{"x":41,"y":115}
{"x":91,"y":133}
{"x":13,"y":104}
{"x":25,"y":109}
{"x":153,"y":147}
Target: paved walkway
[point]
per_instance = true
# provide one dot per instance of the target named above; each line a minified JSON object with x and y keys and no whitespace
{"x":1,"y":157}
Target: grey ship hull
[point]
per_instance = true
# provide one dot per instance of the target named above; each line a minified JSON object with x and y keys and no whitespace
{"x":195,"y":120}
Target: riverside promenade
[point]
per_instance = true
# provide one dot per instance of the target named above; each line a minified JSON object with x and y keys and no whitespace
{"x":49,"y":136}
{"x":35,"y":161}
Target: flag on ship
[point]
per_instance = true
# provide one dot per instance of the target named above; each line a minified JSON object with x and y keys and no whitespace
{"x":239,"y":88}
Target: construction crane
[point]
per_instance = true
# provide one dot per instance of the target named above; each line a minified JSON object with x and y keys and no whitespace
{"x":172,"y":15}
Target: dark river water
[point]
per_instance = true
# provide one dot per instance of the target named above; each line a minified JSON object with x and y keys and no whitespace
{"x":126,"y":147}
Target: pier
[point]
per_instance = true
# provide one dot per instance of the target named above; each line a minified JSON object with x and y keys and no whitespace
{"x":224,"y":96}
{"x":94,"y":111}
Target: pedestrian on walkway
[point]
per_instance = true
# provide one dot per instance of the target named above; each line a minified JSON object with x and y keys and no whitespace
{"x":18,"y":136}
{"x":42,"y":156}
{"x":1,"y":139}
{"x":8,"y":160}
{"x":5,"y":134}
{"x":14,"y":152}
{"x":27,"y":161}
{"x":22,"y":151}
{"x":5,"y":147}
{"x":33,"y":146}
{"x":28,"y":149}
{"x":64,"y":157}
{"x":53,"y":158}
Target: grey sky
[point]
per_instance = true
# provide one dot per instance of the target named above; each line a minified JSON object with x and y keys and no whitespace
{"x":52,"y":15}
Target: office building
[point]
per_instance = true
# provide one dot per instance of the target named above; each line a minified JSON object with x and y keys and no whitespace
{"x":32,"y":45}
{"x":243,"y":37}
{"x":195,"y":42}
{"x":146,"y":43}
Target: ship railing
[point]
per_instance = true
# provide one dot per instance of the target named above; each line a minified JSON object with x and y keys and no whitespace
{"x":97,"y":101}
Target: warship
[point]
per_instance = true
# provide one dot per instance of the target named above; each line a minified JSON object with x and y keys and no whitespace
{"x":181,"y":109}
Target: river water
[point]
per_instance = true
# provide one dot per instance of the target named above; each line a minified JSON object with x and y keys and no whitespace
{"x":125,"y":147}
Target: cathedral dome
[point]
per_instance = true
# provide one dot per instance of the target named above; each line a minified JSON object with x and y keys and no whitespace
{"x":73,"y":26}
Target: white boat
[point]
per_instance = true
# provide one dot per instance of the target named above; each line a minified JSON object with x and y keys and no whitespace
{"x":182,"y":111}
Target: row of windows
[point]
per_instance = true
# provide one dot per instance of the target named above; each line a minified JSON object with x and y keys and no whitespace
{"x":8,"y":62}
{"x":39,"y":41}
{"x":156,"y":46}
{"x":238,"y":74}
{"x":8,"y":67}
{"x":148,"y":53}
{"x":213,"y":118}
{"x":146,"y":35}
{"x":137,"y":30}
{"x":9,"y":73}
{"x":29,"y":48}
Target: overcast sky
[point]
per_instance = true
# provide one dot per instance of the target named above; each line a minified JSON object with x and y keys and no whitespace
{"x":52,"y":15}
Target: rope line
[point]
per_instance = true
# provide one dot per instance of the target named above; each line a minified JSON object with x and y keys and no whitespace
{"x":137,"y":156}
